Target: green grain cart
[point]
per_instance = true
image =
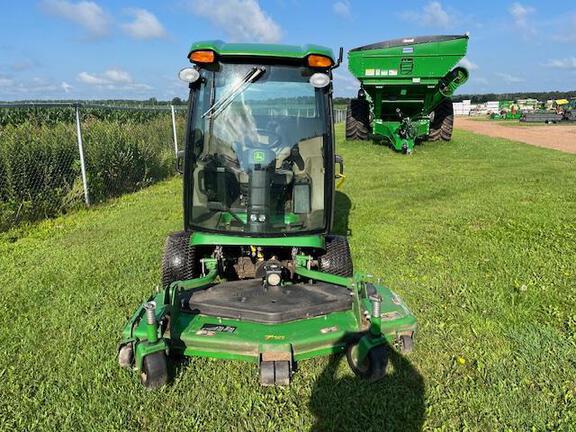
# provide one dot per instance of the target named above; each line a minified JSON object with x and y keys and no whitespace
{"x":405,"y":89}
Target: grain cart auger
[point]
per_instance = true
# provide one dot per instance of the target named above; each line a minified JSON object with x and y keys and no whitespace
{"x":405,"y":89}
{"x":256,"y":274}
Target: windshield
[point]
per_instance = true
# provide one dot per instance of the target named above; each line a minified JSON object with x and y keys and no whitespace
{"x":257,"y":141}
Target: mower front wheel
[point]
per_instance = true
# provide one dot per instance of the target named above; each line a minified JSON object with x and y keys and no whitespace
{"x":373,"y":367}
{"x":154,"y":370}
{"x":126,"y":356}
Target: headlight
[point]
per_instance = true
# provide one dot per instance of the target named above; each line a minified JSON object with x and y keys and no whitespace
{"x":189,"y":75}
{"x":319,"y":80}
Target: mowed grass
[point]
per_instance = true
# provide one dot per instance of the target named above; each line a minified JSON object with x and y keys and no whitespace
{"x":477,"y":235}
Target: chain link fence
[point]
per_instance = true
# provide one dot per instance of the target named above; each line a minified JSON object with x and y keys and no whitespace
{"x":339,"y":115}
{"x":59,"y":156}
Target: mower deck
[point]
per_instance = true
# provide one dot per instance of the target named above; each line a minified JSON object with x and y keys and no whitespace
{"x":210,"y":336}
{"x":250,"y":300}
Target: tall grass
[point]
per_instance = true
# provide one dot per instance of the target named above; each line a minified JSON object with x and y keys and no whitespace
{"x":40,"y":173}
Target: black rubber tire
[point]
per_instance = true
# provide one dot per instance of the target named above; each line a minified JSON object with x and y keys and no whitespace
{"x":282,"y":373}
{"x":179,"y":262}
{"x":267,"y":373}
{"x":357,"y":119}
{"x":126,"y":356}
{"x":337,"y":259}
{"x":442,"y":124}
{"x":373,"y":368}
{"x":406,"y":344}
{"x":154,"y":372}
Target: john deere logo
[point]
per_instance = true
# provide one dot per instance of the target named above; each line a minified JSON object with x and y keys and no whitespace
{"x":258,"y":156}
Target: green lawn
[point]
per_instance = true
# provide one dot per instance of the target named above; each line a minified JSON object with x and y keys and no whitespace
{"x":478,"y":236}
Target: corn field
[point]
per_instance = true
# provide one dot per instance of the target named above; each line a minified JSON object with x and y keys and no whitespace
{"x":46,"y":170}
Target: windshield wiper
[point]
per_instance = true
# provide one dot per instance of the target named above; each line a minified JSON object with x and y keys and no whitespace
{"x":221,"y":104}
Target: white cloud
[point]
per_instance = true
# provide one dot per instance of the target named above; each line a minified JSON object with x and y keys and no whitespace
{"x":342,"y":8}
{"x":6,"y":82}
{"x":465,"y":62}
{"x":110,"y":76}
{"x":117,"y":76}
{"x":564,"y":63}
{"x":144,"y":26}
{"x":509,"y":79}
{"x":520,"y":15}
{"x":29,"y":87}
{"x":239,"y":19}
{"x":86,"y":78}
{"x":345,"y":81}
{"x":87,"y":14}
{"x":66,"y":87}
{"x":433,"y":14}
{"x":112,"y":79}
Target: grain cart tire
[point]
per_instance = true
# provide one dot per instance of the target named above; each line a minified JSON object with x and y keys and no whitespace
{"x":179,"y":261}
{"x":337,"y":259}
{"x":442,"y":122}
{"x":357,"y":119}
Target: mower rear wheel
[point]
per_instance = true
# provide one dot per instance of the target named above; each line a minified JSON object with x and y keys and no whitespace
{"x":275,"y":373}
{"x":337,"y":259}
{"x":373,"y":368}
{"x":154,"y":370}
{"x":442,"y":123}
{"x":357,"y":119}
{"x":179,"y":261}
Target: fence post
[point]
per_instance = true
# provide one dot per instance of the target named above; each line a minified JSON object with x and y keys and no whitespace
{"x":81,"y":151}
{"x":174,"y":130}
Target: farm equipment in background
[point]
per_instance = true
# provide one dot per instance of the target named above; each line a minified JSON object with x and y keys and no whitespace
{"x":405,"y":89}
{"x":257,"y":274}
{"x":562,"y":110}
{"x":507,"y":110}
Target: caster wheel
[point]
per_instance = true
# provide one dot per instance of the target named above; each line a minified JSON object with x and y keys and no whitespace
{"x":275,"y":373}
{"x":126,"y":356}
{"x":267,"y":373}
{"x":406,"y":344}
{"x":154,"y":370}
{"x":373,"y":368}
{"x":282,"y":373}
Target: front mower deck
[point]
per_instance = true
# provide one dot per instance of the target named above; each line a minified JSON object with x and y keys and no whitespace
{"x":250,"y":300}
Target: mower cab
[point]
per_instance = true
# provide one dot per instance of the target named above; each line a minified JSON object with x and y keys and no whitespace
{"x":256,"y":274}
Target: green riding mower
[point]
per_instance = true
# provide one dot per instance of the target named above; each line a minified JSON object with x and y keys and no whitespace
{"x":256,"y":274}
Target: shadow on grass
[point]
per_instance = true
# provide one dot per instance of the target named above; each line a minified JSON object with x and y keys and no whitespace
{"x":395,"y":403}
{"x":342,"y":205}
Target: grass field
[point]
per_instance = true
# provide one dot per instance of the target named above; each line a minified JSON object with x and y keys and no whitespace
{"x":477,"y":235}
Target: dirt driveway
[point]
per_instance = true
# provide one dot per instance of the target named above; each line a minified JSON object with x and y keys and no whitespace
{"x":559,"y":137}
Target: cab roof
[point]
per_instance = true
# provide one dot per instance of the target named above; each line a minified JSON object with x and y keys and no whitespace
{"x":262,"y":50}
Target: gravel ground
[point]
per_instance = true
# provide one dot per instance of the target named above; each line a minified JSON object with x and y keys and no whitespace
{"x":556,"y":137}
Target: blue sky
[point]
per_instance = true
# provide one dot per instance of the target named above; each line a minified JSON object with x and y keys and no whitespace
{"x":68,"y":49}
